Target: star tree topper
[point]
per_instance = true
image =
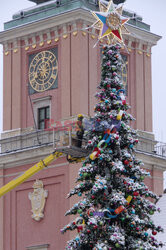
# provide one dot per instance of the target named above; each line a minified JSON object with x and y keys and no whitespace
{"x":110,"y":22}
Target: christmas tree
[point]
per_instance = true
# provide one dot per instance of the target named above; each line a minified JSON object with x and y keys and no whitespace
{"x":116,"y":206}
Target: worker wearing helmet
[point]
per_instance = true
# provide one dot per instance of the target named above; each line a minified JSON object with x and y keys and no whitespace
{"x":79,"y":130}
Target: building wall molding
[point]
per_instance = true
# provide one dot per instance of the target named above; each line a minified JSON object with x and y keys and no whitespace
{"x":38,"y":247}
{"x":32,"y":155}
{"x":68,"y":18}
{"x":151,"y":160}
{"x":24,"y":157}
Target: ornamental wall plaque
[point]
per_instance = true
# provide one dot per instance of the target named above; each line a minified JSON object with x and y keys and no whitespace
{"x":38,"y":200}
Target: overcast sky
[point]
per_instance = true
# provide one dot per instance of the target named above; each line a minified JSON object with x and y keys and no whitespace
{"x":153,"y":13}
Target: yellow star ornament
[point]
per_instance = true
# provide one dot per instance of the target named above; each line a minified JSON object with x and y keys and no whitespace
{"x":110,"y":22}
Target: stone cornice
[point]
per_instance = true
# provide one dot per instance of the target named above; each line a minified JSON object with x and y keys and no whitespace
{"x":69,"y":17}
{"x":33,"y":155}
{"x":140,"y":34}
{"x":24,"y":157}
{"x":45,"y":24}
{"x":152,"y":159}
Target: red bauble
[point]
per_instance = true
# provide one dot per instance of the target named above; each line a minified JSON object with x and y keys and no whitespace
{"x":88,"y":231}
{"x":154,"y":232}
{"x":79,"y":228}
{"x":135,"y":193}
{"x":93,"y":197}
{"x":126,"y":162}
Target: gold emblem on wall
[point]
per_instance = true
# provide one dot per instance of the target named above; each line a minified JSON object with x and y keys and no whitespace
{"x":38,"y":200}
{"x":43,"y":71}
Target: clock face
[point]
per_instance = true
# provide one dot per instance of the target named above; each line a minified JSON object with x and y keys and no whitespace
{"x":43,"y":71}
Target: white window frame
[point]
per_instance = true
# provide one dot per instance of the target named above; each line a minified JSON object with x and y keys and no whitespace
{"x":38,"y":247}
{"x":41,"y":103}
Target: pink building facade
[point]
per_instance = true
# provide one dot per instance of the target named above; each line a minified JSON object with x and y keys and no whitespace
{"x":71,"y":92}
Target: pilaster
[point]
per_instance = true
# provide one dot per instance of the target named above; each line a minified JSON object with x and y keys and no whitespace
{"x":7,"y":87}
{"x":65,"y":73}
{"x":148,"y":89}
{"x":16,"y":85}
{"x":139,"y":81}
{"x":79,"y":73}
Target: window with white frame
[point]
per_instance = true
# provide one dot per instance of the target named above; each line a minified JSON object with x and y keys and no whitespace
{"x":42,"y":111}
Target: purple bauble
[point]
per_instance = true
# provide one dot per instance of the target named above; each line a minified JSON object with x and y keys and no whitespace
{"x":110,"y":52}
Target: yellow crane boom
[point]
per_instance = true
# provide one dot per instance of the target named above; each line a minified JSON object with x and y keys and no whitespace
{"x":74,"y":154}
{"x":31,"y":171}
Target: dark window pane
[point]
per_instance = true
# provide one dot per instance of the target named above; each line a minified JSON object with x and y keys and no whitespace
{"x":47,"y":113}
{"x":41,"y":125}
{"x":43,"y":115}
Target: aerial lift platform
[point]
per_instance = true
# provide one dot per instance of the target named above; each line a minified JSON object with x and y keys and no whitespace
{"x":66,"y":144}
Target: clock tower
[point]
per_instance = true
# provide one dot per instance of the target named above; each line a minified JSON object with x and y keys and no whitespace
{"x":51,"y":71}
